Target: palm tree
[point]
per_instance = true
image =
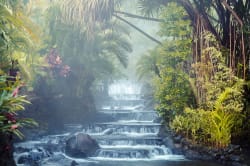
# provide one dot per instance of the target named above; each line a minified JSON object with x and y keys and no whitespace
{"x":217,"y":17}
{"x":16,"y":33}
{"x":95,"y":58}
{"x":89,"y":12}
{"x":148,"y":64}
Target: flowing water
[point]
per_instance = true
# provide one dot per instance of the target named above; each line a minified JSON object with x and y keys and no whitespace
{"x":130,"y":140}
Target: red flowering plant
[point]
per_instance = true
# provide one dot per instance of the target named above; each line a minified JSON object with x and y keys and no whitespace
{"x":56,"y":65}
{"x":10,"y":104}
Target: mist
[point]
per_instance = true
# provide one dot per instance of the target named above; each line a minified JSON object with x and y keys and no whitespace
{"x":135,"y":82}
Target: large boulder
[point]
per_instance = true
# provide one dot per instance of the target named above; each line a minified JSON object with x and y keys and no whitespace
{"x":81,"y":146}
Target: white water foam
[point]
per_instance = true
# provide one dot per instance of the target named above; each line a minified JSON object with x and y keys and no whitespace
{"x":156,"y":158}
{"x":80,"y":160}
{"x":132,"y":146}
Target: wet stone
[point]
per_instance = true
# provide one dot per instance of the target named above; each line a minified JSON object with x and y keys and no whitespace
{"x":74,"y":163}
{"x":81,"y":146}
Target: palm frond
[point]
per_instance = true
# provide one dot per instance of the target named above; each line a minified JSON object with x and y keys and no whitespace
{"x":149,"y":8}
{"x":13,"y":4}
{"x":88,"y":12}
{"x":117,"y":45}
{"x":148,"y":64}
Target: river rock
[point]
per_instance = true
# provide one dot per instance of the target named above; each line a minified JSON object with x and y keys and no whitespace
{"x":21,"y":149}
{"x":33,"y":156}
{"x":236,"y":158}
{"x":177,"y":139}
{"x":193,"y":155}
{"x":74,"y":163}
{"x":157,"y":120}
{"x":81,"y":146}
{"x":234,"y":149}
{"x":168,"y":142}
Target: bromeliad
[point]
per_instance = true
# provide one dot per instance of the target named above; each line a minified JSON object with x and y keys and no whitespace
{"x":11,"y":102}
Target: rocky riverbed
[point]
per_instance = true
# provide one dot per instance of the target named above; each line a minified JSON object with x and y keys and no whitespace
{"x":232,"y":155}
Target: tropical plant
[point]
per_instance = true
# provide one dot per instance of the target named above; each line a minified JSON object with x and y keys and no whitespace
{"x":98,"y":11}
{"x":172,"y":92}
{"x":16,"y":46}
{"x":192,"y":124}
{"x":172,"y":88}
{"x":214,"y":128}
{"x":10,"y":104}
{"x":218,"y":91}
{"x":218,"y":17}
{"x":227,"y":21}
{"x":223,"y":103}
{"x":17,"y":42}
{"x":95,"y":58}
{"x":148,"y":64}
{"x":221,"y":125}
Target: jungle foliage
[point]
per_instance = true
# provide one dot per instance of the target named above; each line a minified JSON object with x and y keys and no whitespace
{"x":59,"y":58}
{"x":77,"y":61}
{"x":200,"y":69}
{"x":10,"y":104}
{"x":15,"y":40}
{"x":205,"y":49}
{"x":92,"y":58}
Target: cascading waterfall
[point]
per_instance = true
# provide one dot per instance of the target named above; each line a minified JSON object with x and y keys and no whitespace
{"x":132,"y":135}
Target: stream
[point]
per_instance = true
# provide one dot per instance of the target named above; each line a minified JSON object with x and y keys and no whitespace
{"x":131,"y":139}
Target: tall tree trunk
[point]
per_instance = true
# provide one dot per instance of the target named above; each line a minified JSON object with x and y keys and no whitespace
{"x":196,"y":14}
{"x":242,"y":41}
{"x":6,"y":150}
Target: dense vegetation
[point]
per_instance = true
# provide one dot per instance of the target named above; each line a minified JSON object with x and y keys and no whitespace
{"x":59,"y":64}
{"x":15,"y":42}
{"x":201,"y":69}
{"x":62,"y":53}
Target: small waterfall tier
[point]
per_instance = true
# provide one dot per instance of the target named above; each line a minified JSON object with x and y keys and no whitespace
{"x":133,"y":134}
